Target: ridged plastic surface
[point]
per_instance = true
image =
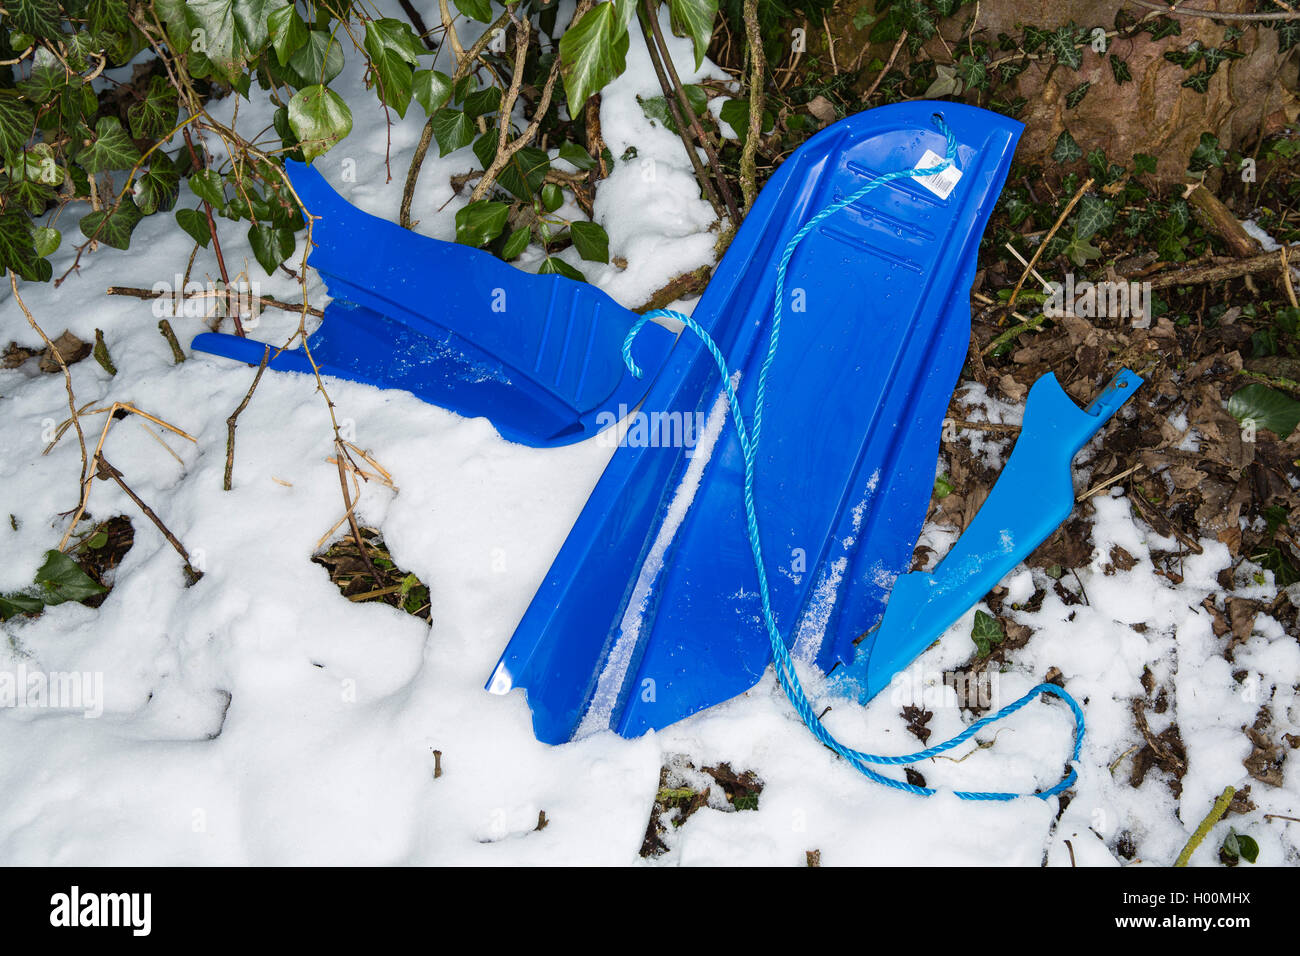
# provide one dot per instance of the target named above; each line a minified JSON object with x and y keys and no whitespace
{"x":651,"y":611}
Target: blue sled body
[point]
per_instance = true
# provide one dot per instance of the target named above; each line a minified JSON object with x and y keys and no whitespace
{"x":651,"y":610}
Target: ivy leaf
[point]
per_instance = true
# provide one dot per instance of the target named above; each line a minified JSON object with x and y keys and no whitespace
{"x":480,"y":10}
{"x":985,"y":632}
{"x":1200,"y":82}
{"x":16,"y":124}
{"x":576,"y":156}
{"x":1237,"y":847}
{"x":253,"y":18}
{"x":155,"y":115}
{"x":394,"y":50}
{"x":18,"y":248}
{"x":553,"y":265}
{"x":1076,"y":95}
{"x":47,"y":79}
{"x":319,"y":60}
{"x":111,"y":148}
{"x":208,"y":186}
{"x":431,"y":89}
{"x":61,"y":579}
{"x":1094,"y":215}
{"x":1080,"y":251}
{"x":113,"y":226}
{"x":107,"y":16}
{"x":271,"y":244}
{"x":516,"y":244}
{"x":1288,"y":34}
{"x":196,"y":224}
{"x":1267,"y":408}
{"x":973,"y":73}
{"x":1119,"y":69}
{"x":40,"y":18}
{"x":46,"y":241}
{"x":216,"y":39}
{"x":552,"y":197}
{"x":592,"y":52}
{"x":486,"y":100}
{"x":13,"y":604}
{"x":1207,"y":154}
{"x":1066,"y":149}
{"x":452,"y":129}
{"x":591,"y":241}
{"x":158,"y":188}
{"x":319,"y":118}
{"x":288,"y":32}
{"x":1062,"y":45}
{"x":694,"y":18}
{"x":1143,"y":163}
{"x":480,"y":222}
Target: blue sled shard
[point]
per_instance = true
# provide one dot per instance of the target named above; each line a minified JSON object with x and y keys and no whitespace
{"x":1033,"y":495}
{"x":538,"y":355}
{"x":651,"y":610}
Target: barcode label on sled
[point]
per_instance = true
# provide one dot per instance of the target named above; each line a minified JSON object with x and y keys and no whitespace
{"x":941,"y":184}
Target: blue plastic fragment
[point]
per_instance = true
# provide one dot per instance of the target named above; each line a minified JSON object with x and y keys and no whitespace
{"x":651,"y":610}
{"x":538,"y":355}
{"x":1033,"y":495}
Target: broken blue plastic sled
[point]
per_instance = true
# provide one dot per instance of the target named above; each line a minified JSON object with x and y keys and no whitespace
{"x":651,"y":611}
{"x":1033,"y":495}
{"x":538,"y":355}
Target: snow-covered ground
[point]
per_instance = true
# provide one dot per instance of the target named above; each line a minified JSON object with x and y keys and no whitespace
{"x":260,"y":717}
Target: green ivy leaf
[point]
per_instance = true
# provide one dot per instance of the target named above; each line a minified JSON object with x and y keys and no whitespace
{"x":195,"y":223}
{"x":61,"y":579}
{"x":253,"y":17}
{"x":318,"y":61}
{"x":480,"y":222}
{"x":592,"y":52}
{"x":208,"y":185}
{"x":1119,"y":69}
{"x":553,"y":265}
{"x":1267,"y":408}
{"x":480,"y":10}
{"x":113,"y":226}
{"x":1066,"y":149}
{"x":271,"y":245}
{"x":1200,"y":82}
{"x":394,"y":51}
{"x":111,"y":148}
{"x":288,"y":32}
{"x":516,"y":244}
{"x":973,"y":73}
{"x":18,"y":248}
{"x":218,"y":40}
{"x":1207,"y":154}
{"x":452,"y":129}
{"x":158,"y":188}
{"x":46,"y":241}
{"x":986,"y":632}
{"x":14,"y":604}
{"x":40,"y":18}
{"x":552,"y":197}
{"x":1076,"y":95}
{"x":16,"y":124}
{"x":431,"y":89}
{"x":47,"y":79}
{"x":591,"y":241}
{"x":694,"y":19}
{"x":1063,"y":45}
{"x":155,"y":115}
{"x":107,"y":16}
{"x":943,"y":487}
{"x":319,"y":118}
{"x":576,"y":156}
{"x":1094,"y":214}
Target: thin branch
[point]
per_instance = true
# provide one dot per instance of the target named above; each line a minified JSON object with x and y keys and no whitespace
{"x":234,"y":417}
{"x":1048,"y":238}
{"x":1174,"y":10}
{"x":106,"y":470}
{"x":757,"y":69}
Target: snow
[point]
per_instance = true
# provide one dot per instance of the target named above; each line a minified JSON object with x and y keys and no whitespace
{"x":260,"y":718}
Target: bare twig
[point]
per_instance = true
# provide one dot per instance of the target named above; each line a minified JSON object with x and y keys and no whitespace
{"x":1216,"y":813}
{"x":898,"y":45}
{"x":67,"y":381}
{"x":1173,"y":10}
{"x":105,"y":470}
{"x":165,"y":327}
{"x":234,"y":417}
{"x":263,"y":300}
{"x":1048,"y":238}
{"x":757,"y":69}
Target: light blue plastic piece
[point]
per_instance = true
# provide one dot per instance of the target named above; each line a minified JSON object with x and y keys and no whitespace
{"x":1032,"y":497}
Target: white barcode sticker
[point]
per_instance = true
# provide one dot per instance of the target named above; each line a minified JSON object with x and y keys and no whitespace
{"x":941,"y":184}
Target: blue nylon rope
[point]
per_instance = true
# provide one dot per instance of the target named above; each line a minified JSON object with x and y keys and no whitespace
{"x":749,"y":442}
